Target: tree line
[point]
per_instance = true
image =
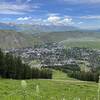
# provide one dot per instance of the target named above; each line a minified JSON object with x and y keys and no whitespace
{"x":74,"y":71}
{"x":65,"y":68}
{"x":84,"y":76}
{"x":13,"y":68}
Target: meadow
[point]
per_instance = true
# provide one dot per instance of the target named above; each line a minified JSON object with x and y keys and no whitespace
{"x":86,"y":44}
{"x":61,"y":87}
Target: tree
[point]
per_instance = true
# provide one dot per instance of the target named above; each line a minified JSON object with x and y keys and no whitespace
{"x":12,"y":67}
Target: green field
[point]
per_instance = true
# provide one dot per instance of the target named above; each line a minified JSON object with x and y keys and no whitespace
{"x":86,"y":44}
{"x":59,"y":88}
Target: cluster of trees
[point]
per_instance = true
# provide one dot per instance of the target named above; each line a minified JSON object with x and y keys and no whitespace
{"x":74,"y":71}
{"x":85,"y":76}
{"x":12,"y":67}
{"x":65,"y":68}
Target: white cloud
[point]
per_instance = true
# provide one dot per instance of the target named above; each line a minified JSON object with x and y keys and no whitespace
{"x":83,"y":1}
{"x":10,"y":8}
{"x":67,"y":21}
{"x":28,"y":1}
{"x":11,"y":12}
{"x":80,"y":23}
{"x":56,"y":20}
{"x":24,"y":18}
{"x":13,"y":7}
{"x":53,"y":14}
{"x":50,"y":20}
{"x":90,"y":17}
{"x":29,"y":20}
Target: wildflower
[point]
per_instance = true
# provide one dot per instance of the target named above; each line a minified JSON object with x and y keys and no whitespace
{"x":37,"y":89}
{"x":63,"y":99}
{"x":77,"y":98}
{"x":99,"y":88}
{"x":99,"y":83}
{"x":23,"y":84}
{"x":52,"y":98}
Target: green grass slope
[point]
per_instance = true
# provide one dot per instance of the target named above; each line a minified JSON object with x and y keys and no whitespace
{"x":13,"y":39}
{"x":86,"y":44}
{"x":59,"y":75}
{"x":72,"y":38}
{"x":55,"y":89}
{"x":61,"y":36}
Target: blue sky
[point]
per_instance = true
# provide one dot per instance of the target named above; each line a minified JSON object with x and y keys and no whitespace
{"x":79,"y":13}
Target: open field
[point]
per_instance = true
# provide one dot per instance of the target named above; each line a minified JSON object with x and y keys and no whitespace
{"x":87,"y":44}
{"x":56,"y":89}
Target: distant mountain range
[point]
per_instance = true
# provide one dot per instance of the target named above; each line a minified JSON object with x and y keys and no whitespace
{"x":27,"y":28}
{"x":31,"y":29}
{"x":17,"y":36}
{"x":41,"y":28}
{"x":5,"y":26}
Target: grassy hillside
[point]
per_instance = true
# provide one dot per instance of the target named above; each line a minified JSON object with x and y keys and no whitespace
{"x":72,"y":38}
{"x":87,"y":44}
{"x":61,"y":36}
{"x":13,"y":39}
{"x":55,"y":89}
{"x":58,"y":75}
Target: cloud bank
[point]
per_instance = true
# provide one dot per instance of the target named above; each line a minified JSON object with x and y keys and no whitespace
{"x":16,"y":8}
{"x":50,"y":20}
{"x":82,"y":1}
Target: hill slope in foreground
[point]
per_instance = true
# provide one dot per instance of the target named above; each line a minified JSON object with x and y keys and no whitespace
{"x":55,"y":89}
